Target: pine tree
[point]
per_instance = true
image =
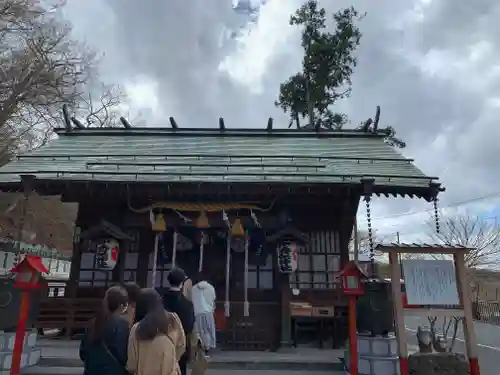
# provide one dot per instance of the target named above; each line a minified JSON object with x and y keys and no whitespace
{"x":326,"y":68}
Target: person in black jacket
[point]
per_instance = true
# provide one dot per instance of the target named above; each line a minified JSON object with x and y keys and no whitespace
{"x":103,"y":348}
{"x":174,"y":301}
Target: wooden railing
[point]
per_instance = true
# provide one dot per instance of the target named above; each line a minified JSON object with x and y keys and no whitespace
{"x":66,"y":313}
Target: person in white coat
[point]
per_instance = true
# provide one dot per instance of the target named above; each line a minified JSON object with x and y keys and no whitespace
{"x":203,"y":297}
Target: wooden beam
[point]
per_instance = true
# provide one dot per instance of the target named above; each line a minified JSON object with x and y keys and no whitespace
{"x":423,"y":312}
{"x":397,"y":298}
{"x":466,"y":301}
{"x":423,"y":250}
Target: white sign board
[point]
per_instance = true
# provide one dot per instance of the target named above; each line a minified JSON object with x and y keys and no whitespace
{"x":430,"y":282}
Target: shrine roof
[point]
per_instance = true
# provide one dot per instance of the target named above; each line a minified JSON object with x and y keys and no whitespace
{"x":169,"y":155}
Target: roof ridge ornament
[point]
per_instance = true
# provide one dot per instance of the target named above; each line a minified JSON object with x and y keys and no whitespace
{"x":78,"y":123}
{"x":270,"y":124}
{"x":173,"y":124}
{"x":66,"y":118}
{"x":125,"y":123}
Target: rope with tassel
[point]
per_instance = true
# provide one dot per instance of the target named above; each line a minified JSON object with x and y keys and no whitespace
{"x":228,"y":263}
{"x":202,"y":245}
{"x":153,"y":219}
{"x":174,"y":249}
{"x":155,"y":257}
{"x":246,"y":305}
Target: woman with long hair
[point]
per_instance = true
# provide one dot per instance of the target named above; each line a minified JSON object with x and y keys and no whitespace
{"x":133,"y":291}
{"x":156,"y":340}
{"x":103,"y":348}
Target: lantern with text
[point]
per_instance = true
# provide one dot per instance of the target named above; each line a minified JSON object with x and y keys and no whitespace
{"x":28,"y":277}
{"x":351,"y":277}
{"x":287,"y":257}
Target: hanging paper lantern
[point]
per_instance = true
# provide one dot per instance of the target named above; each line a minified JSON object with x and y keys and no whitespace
{"x":287,"y":257}
{"x":159,"y":224}
{"x":107,"y":254}
{"x":202,"y":221}
{"x":237,"y":229}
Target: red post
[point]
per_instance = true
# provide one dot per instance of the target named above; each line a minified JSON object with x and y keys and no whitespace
{"x":15,"y":368}
{"x":353,"y":340}
{"x":474,"y":366}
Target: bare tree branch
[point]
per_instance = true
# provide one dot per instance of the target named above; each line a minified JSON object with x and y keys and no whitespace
{"x":100,"y":109}
{"x":480,"y":234}
{"x":363,"y":242}
{"x":42,"y":68}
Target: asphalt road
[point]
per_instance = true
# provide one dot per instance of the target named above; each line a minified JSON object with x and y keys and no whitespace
{"x":488,"y":342}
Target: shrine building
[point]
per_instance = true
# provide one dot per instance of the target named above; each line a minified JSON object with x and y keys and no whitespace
{"x":267,"y":215}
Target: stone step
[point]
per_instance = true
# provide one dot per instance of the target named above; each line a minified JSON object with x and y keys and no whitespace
{"x":37,"y":370}
{"x":298,"y":364}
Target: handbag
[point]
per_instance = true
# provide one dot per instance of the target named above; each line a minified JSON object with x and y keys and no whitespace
{"x":200,"y":361}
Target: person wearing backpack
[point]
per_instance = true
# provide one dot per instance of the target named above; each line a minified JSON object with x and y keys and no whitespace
{"x":174,"y":301}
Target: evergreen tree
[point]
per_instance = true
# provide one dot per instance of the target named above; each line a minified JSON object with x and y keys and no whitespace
{"x":326,"y":68}
{"x":325,"y":78}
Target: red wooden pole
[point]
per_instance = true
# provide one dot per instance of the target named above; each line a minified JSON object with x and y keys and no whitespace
{"x":474,"y":366}
{"x":15,"y":368}
{"x":353,"y":340}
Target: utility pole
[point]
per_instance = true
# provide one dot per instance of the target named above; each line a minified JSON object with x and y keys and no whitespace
{"x":400,"y":256}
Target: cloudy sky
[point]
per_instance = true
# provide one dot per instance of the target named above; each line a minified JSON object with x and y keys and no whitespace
{"x":432,"y":65}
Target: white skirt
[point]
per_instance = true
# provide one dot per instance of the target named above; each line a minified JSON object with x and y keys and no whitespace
{"x":205,"y":327}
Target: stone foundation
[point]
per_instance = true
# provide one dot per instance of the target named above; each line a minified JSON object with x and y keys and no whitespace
{"x":438,"y":364}
{"x":377,"y":356}
{"x":31,"y":355}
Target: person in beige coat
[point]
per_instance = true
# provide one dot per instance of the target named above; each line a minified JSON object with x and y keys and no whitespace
{"x":156,"y":340}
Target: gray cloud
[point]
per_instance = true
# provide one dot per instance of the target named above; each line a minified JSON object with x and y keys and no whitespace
{"x":442,"y":108}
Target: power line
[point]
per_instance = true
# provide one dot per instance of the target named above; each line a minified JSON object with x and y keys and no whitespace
{"x":455,"y":204}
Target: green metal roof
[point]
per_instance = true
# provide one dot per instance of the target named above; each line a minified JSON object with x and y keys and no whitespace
{"x":211,"y":155}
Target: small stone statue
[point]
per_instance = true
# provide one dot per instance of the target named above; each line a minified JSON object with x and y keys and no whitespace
{"x":424,"y":338}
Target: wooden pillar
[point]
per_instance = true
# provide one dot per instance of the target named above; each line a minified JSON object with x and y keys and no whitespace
{"x":286,"y":332}
{"x":72,"y":285}
{"x":145,"y":246}
{"x":468,"y":322}
{"x":397,"y":298}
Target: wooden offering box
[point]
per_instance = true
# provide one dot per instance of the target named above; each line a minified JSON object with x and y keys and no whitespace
{"x":300,"y":309}
{"x":319,"y":311}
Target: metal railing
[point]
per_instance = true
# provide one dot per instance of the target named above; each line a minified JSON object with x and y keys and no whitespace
{"x":486,"y":311}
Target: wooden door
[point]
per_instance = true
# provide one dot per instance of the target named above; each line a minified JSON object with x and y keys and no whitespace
{"x":259,"y":330}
